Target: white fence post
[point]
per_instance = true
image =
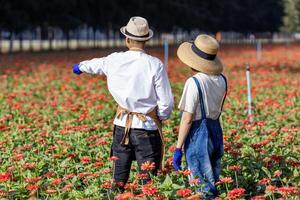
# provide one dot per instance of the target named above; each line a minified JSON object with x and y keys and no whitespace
{"x":166,"y":52}
{"x":249,"y":97}
{"x":258,"y":50}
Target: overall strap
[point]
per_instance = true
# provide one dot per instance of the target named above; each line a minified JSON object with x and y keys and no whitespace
{"x":203,"y":114}
{"x":224,"y":94}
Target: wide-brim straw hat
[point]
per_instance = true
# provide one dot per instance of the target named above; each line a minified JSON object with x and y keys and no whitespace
{"x":137,"y":29}
{"x":201,"y":55}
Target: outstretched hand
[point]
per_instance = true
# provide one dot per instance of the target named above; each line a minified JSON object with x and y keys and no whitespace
{"x":177,"y":159}
{"x":76,"y":69}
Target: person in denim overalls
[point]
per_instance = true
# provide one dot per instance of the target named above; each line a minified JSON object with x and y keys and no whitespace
{"x":201,"y":104}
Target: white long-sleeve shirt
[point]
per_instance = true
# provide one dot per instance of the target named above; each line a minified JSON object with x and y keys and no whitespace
{"x":137,"y":82}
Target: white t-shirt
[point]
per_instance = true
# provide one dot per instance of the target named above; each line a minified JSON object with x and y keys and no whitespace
{"x":213,"y":90}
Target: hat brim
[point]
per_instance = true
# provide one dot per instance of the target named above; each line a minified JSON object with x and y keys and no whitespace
{"x":122,"y":29}
{"x":188,"y":57}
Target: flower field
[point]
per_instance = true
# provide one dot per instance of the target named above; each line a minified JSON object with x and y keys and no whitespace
{"x":56,"y":129}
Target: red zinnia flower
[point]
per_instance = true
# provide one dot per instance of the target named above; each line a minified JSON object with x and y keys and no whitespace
{"x":56,"y":181}
{"x":2,"y":193}
{"x":33,"y":180}
{"x":277,"y":173}
{"x":106,"y":185}
{"x":235,"y":167}
{"x":159,"y":198}
{"x":225,"y":180}
{"x":84,"y":174}
{"x":271,"y":188}
{"x":131,"y":186}
{"x":85,"y":159}
{"x":67,"y":187}
{"x":194,"y":181}
{"x":185,"y":172}
{"x":105,"y":171}
{"x":149,"y":190}
{"x":32,"y":188}
{"x":143,"y":176}
{"x":264,"y":181}
{"x":98,"y":164}
{"x":147,"y":166}
{"x":184,"y":192}
{"x":236,"y":193}
{"x":29,"y":165}
{"x":288,"y":190}
{"x":68,"y":176}
{"x":113,"y":158}
{"x":5,"y":177}
{"x":124,"y":196}
{"x":51,"y":191}
{"x":72,"y":155}
{"x":19,"y":156}
{"x":49,"y":174}
{"x":260,"y":197}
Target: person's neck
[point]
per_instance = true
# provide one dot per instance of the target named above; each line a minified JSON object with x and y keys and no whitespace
{"x":137,"y":49}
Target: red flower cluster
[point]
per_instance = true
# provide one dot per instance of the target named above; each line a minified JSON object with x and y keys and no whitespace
{"x":56,"y":181}
{"x":6,"y":176}
{"x":67,"y":187}
{"x":185,"y":172}
{"x":143,"y":176}
{"x":148,"y":166}
{"x":113,"y":158}
{"x":234,"y":167}
{"x":85,"y":159}
{"x":149,"y":190}
{"x":264,"y":181}
{"x":288,"y":190}
{"x":32,"y":188}
{"x":131,"y":186}
{"x":260,"y":197}
{"x":124,"y":196}
{"x":106,"y":185}
{"x":236,"y":193}
{"x":225,"y":180}
{"x":185,"y":192}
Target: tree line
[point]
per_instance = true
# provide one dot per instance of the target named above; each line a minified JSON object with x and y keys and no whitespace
{"x":165,"y":15}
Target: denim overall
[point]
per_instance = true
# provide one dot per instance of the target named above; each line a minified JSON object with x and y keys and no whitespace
{"x":204,"y":148}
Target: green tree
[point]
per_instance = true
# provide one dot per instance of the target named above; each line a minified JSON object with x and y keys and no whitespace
{"x":291,"y":18}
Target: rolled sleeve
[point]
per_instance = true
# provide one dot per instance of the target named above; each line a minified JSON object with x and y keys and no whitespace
{"x":190,"y":97}
{"x":165,"y":100}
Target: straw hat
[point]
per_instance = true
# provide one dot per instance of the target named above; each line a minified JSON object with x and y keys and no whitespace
{"x":201,"y":55}
{"x":137,"y":29}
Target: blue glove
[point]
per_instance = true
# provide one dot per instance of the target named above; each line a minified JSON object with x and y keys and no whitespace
{"x":76,"y":69}
{"x":177,"y":159}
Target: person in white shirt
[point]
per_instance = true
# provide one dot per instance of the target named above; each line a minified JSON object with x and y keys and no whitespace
{"x":201,"y":104}
{"x":139,"y":84}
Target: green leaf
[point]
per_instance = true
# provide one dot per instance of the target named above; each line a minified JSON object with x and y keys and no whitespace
{"x":266,"y":172}
{"x":167,"y":182}
{"x":295,"y":173}
{"x":176,"y":187}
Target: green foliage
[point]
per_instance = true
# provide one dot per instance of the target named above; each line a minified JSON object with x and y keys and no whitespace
{"x":163,"y":15}
{"x":291,"y":18}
